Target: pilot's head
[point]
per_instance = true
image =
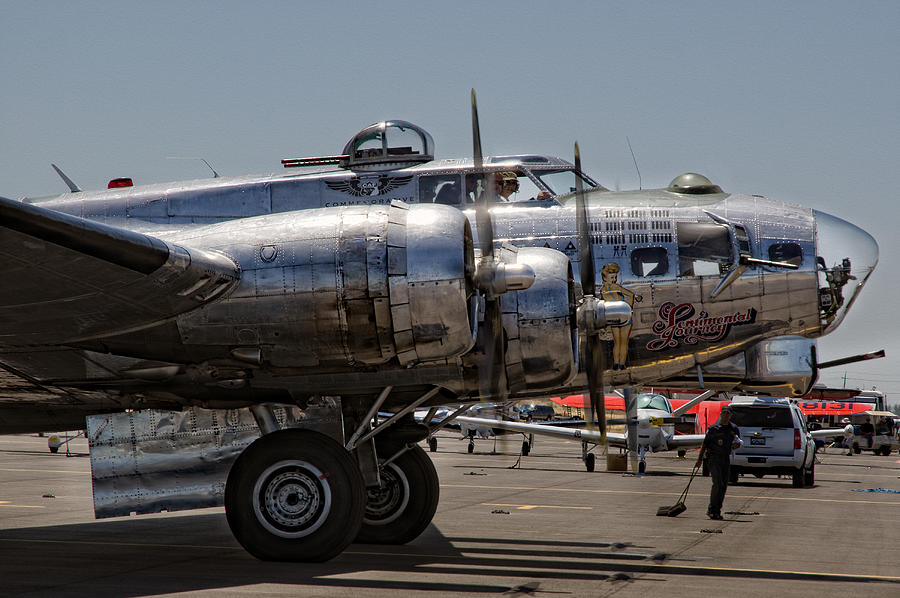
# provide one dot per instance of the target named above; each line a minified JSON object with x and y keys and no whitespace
{"x":506,"y":183}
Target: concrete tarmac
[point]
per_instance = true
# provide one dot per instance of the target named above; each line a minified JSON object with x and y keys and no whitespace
{"x":545,"y":528}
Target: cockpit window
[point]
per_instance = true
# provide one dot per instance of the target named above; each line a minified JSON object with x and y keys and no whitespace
{"x":652,"y":401}
{"x":649,"y":261}
{"x":517,"y":186}
{"x":441,"y":188}
{"x":561,"y":182}
{"x":704,"y":248}
{"x":786,"y":252}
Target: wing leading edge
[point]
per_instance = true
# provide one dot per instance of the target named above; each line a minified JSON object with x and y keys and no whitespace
{"x":66,"y":279}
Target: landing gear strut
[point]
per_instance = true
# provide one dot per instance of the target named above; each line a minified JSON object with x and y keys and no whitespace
{"x":404,"y":504}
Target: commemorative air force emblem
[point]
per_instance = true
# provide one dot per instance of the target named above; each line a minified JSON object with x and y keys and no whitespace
{"x":370,"y":186}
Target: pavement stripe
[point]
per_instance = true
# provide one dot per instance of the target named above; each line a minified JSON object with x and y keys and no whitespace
{"x":44,"y":471}
{"x":895,"y":503}
{"x":527,"y":507}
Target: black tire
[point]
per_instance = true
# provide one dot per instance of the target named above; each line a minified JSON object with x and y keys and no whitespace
{"x":54,"y":449}
{"x":526,"y":448}
{"x":642,"y":467}
{"x":405,"y":504}
{"x":471,"y":447}
{"x":590,"y":461}
{"x":681,"y":453}
{"x":432,"y":444}
{"x":856,"y":449}
{"x":294,"y":495}
{"x":809,"y":477}
{"x":797,"y":478}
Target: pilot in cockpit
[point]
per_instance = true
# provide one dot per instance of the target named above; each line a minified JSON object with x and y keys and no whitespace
{"x":507,"y":182}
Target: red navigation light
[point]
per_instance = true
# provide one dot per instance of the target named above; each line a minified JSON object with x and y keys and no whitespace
{"x":122,"y":182}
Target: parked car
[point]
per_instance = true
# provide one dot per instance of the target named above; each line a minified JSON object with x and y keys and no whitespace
{"x":536,"y":411}
{"x":776,"y":440}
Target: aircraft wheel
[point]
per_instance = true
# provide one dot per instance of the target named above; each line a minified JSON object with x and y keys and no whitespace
{"x":681,"y":453}
{"x":642,"y":467}
{"x":590,"y":461}
{"x":471,"y":447}
{"x":294,"y":495}
{"x":403,"y":506}
{"x":432,"y":444}
{"x":856,"y":449}
{"x":809,"y":477}
{"x":526,"y":448}
{"x":797,"y":478}
{"x":54,"y":449}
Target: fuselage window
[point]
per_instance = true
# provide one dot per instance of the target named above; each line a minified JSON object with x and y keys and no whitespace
{"x":649,"y":261}
{"x":704,"y":248}
{"x":786,"y":252}
{"x":441,"y":188}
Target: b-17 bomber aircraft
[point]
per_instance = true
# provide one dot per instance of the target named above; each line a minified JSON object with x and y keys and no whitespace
{"x":231,"y":341}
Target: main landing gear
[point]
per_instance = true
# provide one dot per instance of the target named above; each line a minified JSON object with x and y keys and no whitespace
{"x":295,"y":495}
{"x":404,"y":504}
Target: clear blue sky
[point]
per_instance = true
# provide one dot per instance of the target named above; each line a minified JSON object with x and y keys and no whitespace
{"x":798,"y":101}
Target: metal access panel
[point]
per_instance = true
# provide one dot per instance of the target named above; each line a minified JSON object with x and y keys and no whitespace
{"x":151,"y":460}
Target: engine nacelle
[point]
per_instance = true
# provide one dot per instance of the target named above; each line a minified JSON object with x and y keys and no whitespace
{"x":358,"y":285}
{"x":542,"y":340}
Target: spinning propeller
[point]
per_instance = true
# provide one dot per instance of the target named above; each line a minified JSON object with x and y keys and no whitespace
{"x":492,"y":277}
{"x":594,"y":351}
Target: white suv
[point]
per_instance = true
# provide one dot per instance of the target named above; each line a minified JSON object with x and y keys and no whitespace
{"x":776,"y":440}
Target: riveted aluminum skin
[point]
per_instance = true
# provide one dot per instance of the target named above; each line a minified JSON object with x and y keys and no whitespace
{"x":151,"y":460}
{"x":342,"y":287}
{"x":540,"y":323}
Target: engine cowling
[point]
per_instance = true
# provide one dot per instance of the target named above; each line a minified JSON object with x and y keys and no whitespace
{"x":539,"y":322}
{"x":358,"y":285}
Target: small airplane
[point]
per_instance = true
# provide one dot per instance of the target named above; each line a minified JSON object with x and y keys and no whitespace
{"x":655,"y":420}
{"x":229,"y":341}
{"x":654,"y":424}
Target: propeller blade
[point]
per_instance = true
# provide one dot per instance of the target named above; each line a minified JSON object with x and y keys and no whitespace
{"x":595,"y":366}
{"x":596,"y":355}
{"x":585,"y":250}
{"x":492,"y":369}
{"x":485,"y":193}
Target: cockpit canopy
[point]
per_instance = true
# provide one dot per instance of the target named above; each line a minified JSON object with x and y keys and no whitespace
{"x":388,"y":144}
{"x":651,"y":400}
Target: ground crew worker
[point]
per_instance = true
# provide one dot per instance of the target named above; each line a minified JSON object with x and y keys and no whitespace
{"x":848,"y":435}
{"x":721,"y":439}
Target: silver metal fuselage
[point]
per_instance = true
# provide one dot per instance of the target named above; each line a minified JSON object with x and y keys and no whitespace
{"x":344,"y":290}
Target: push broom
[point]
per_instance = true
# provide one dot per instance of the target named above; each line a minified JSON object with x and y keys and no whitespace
{"x":678,"y":508}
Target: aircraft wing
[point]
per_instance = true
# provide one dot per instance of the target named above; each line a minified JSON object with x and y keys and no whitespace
{"x":613,"y":439}
{"x":66,"y":279}
{"x":829,"y":432}
{"x":685,"y":441}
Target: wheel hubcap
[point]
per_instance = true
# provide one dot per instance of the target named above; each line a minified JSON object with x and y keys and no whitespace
{"x":387,"y":502}
{"x":292,"y":498}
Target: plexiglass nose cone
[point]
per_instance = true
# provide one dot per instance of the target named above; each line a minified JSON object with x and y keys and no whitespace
{"x":846,"y":255}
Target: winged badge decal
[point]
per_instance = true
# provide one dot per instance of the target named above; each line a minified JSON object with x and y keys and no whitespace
{"x":367,"y":187}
